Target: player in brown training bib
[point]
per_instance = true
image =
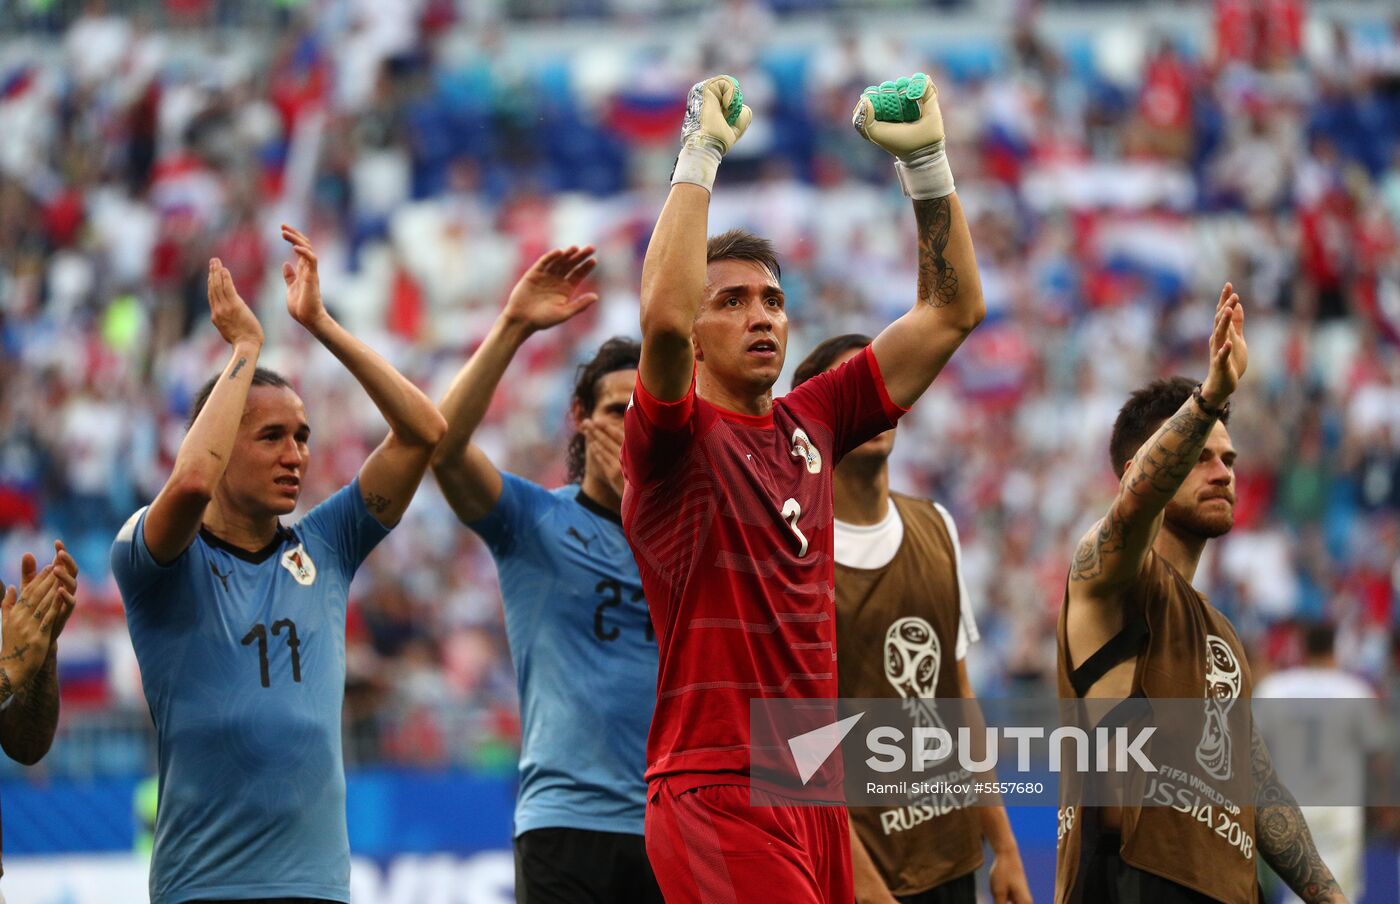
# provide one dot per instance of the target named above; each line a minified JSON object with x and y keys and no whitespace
{"x":1133,"y":626}
{"x":903,"y":625}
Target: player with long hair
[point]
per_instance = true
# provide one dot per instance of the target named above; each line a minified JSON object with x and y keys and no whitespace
{"x":576,"y":621}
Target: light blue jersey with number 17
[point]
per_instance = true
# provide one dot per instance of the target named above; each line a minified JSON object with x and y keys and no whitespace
{"x":242,"y":659}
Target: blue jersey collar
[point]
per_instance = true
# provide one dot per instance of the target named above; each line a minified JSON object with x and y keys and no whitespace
{"x":257,"y":558}
{"x":597,"y":508}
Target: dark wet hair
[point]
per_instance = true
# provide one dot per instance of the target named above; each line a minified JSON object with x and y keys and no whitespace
{"x":261,"y":377}
{"x":618,"y":353}
{"x":742,"y":245}
{"x":820,"y":359}
{"x":1143,"y":413}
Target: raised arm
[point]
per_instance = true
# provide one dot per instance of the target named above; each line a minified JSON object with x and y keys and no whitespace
{"x":174,"y":517}
{"x":1284,"y":840}
{"x":903,"y":118}
{"x":391,"y":474}
{"x":546,"y":295}
{"x":32,"y":616}
{"x":1111,"y":554}
{"x":673,"y":273}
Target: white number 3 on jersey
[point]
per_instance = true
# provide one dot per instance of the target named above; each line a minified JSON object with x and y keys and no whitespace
{"x":791,"y":512}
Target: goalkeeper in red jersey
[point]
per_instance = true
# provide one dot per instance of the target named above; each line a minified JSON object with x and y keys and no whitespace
{"x":728,"y":505}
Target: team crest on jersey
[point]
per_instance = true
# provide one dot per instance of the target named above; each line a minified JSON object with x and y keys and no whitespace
{"x":802,"y":448}
{"x":299,"y":563}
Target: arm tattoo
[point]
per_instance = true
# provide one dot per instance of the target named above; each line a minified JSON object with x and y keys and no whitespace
{"x":237,"y":367}
{"x":1172,"y":453}
{"x":938,"y":281}
{"x":6,"y":689}
{"x":1284,"y":840}
{"x":1159,"y":469}
{"x":1110,"y":538}
{"x":18,"y":653}
{"x":27,"y":727}
{"x":376,"y":503}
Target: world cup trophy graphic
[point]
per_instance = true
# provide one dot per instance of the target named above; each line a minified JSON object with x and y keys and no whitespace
{"x":913,"y":656}
{"x":1223,"y":679}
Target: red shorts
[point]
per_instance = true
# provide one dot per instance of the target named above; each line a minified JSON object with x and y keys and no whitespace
{"x":710,"y":845}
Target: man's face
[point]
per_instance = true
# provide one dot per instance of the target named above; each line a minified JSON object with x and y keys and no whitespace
{"x":876,"y":449}
{"x":740,"y":335}
{"x":1204,"y":504}
{"x":265,"y":472}
{"x":614,"y":393}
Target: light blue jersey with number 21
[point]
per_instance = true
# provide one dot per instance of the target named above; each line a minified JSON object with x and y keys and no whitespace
{"x":585,"y":657}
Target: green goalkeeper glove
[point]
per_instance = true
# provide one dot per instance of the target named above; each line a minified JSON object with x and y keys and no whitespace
{"x":715,"y":118}
{"x":903,"y":118}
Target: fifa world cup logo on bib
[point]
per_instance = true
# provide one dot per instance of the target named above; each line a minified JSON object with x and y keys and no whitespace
{"x":1223,"y":681}
{"x":913,"y":656}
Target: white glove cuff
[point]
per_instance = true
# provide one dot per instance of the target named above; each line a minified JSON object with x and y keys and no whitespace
{"x":697,"y":163}
{"x":925,"y":173}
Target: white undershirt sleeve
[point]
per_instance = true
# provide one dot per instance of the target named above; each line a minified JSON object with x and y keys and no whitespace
{"x":967,"y":621}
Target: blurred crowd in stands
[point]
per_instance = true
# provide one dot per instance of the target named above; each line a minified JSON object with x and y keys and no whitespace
{"x":1114,"y":177}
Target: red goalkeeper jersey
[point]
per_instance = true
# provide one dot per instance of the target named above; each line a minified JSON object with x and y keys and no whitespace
{"x":730,"y":519}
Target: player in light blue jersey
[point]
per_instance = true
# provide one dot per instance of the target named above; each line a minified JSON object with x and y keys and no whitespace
{"x":239,"y":620}
{"x":584,"y":651}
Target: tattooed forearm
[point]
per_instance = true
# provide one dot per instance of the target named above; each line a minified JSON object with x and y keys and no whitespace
{"x":17,"y":653}
{"x":1171,"y":453}
{"x":1284,"y":840}
{"x":1113,"y":553}
{"x":1110,"y":538}
{"x":377,"y":503}
{"x":27,"y":727}
{"x":237,"y":367}
{"x":938,"y":281}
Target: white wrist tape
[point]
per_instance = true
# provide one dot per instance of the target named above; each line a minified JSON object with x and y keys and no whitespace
{"x":925,"y":173}
{"x":697,"y":163}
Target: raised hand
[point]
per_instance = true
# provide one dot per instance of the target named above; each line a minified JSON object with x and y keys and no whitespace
{"x":548,"y":292}
{"x":230,"y":314}
{"x":715,"y":118}
{"x":65,"y":570}
{"x":715,"y":113}
{"x":605,"y":451}
{"x":27,"y":618}
{"x":66,"y":567}
{"x":303,"y":282}
{"x":1229,"y":356}
{"x":903,"y":118}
